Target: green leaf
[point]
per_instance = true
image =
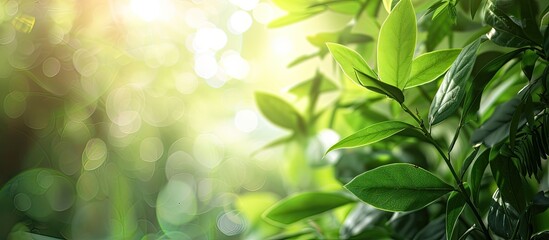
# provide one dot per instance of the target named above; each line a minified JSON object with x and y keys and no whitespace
{"x":468,"y":162}
{"x":362,"y":218}
{"x":452,"y":90}
{"x":303,"y":89}
{"x":482,"y":78}
{"x":540,"y":235}
{"x":398,"y":187}
{"x":396,"y":45}
{"x":528,"y":63}
{"x":293,"y":18}
{"x":294,"y":5}
{"x":476,"y":174}
{"x":474,"y":4}
{"x":454,"y":208}
{"x":496,"y":128}
{"x":433,"y":231}
{"x":505,"y":31}
{"x":379,"y":86}
{"x":439,"y":28}
{"x":303,"y":58}
{"x":349,"y":60}
{"x":502,"y":217}
{"x":349,"y":7}
{"x":371,"y":134}
{"x":508,"y":180}
{"x":279,"y":112}
{"x":430,"y":66}
{"x":530,"y":24}
{"x":387,"y":4}
{"x":304,"y":205}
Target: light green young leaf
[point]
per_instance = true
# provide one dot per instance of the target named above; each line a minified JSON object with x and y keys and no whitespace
{"x":293,"y":18}
{"x":396,"y":45}
{"x":452,"y":90}
{"x":349,"y":60}
{"x":387,"y":5}
{"x":304,"y":205}
{"x":371,"y":134}
{"x":380,"y":87}
{"x":398,"y":187}
{"x":430,"y":66}
{"x":454,"y":207}
{"x":279,"y":112}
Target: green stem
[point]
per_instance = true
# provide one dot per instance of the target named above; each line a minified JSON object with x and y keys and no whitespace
{"x":446,"y":158}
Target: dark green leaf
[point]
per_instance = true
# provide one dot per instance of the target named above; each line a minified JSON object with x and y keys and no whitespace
{"x":304,"y":205}
{"x":477,"y":172}
{"x":452,"y":90}
{"x":481,"y":80}
{"x":474,"y":6}
{"x":439,"y":28}
{"x":496,"y":128}
{"x":530,"y":24}
{"x":543,"y":235}
{"x":363,"y":217}
{"x":371,"y":134}
{"x":454,"y":207}
{"x":546,"y":41}
{"x":279,"y":112}
{"x":430,"y":66}
{"x":397,"y":42}
{"x":433,"y":231}
{"x":508,"y":180}
{"x":502,"y":217}
{"x":540,"y":202}
{"x":398,"y":187}
{"x":505,"y":31}
{"x":528,"y":62}
{"x":380,"y":87}
{"x":349,"y":60}
{"x":303,"y":89}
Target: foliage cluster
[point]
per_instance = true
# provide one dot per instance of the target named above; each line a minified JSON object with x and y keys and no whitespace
{"x":481,"y":107}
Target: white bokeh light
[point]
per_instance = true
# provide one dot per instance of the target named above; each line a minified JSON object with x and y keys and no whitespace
{"x":234,"y":65}
{"x":245,"y":4}
{"x":245,"y":120}
{"x":240,"y":22}
{"x":264,"y":13}
{"x":281,"y":45}
{"x":209,"y":39}
{"x":205,"y":66}
{"x":150,"y":10}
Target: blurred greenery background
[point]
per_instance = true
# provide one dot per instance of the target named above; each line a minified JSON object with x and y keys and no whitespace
{"x":135,"y":119}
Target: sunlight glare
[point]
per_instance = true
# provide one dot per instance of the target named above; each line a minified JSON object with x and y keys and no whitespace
{"x":150,"y":10}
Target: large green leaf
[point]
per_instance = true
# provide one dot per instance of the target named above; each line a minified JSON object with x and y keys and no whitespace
{"x":508,"y":179}
{"x":430,"y":66}
{"x":505,"y":31}
{"x":371,"y":134}
{"x":279,"y":112}
{"x":452,"y":90}
{"x":398,"y":187}
{"x":379,"y":86}
{"x":304,"y":205}
{"x":502,"y":217}
{"x":496,"y":128}
{"x":349,"y":60}
{"x":396,"y":45}
{"x":454,"y":207}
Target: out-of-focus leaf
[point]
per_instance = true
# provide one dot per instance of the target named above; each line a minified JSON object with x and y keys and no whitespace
{"x":530,"y":24}
{"x":430,"y":66}
{"x":546,"y":41}
{"x":349,"y":7}
{"x":440,"y":28}
{"x":540,"y":202}
{"x":304,"y":205}
{"x":274,"y":143}
{"x":303,"y":89}
{"x":476,"y":174}
{"x":468,"y":162}
{"x":508,"y":180}
{"x":349,"y":60}
{"x":363,"y":217}
{"x":302,"y":59}
{"x":294,"y":5}
{"x":433,"y":231}
{"x":371,"y":134}
{"x":452,"y":90}
{"x":279,"y":112}
{"x":387,"y":4}
{"x":504,"y":31}
{"x":396,"y":45}
{"x":292,"y":235}
{"x":502,"y":217}
{"x":398,"y":187}
{"x":474,"y":6}
{"x":496,"y":128}
{"x":294,"y":17}
{"x":380,"y":87}
{"x":406,"y":224}
{"x":543,"y":235}
{"x":481,"y":80}
{"x":528,"y":62}
{"x":454,"y":207}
